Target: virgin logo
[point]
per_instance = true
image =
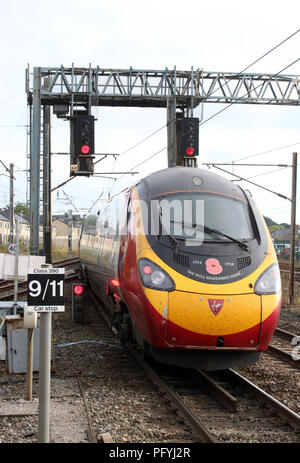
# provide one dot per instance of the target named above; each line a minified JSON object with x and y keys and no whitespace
{"x":215,"y":305}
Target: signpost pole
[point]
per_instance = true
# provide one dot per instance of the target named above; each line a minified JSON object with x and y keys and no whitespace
{"x":45,"y":295}
{"x":45,"y":374}
{"x":15,"y":305}
{"x":44,"y":377}
{"x":29,"y":362}
{"x":70,"y":233}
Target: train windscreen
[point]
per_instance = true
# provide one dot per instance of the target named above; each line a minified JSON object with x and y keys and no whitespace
{"x":182,"y":214}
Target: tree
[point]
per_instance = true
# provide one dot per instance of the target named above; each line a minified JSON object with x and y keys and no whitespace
{"x":91,"y":220}
{"x":22,"y":209}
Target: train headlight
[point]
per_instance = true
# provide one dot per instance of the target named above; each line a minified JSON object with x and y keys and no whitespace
{"x":155,"y":277}
{"x":269,"y":281}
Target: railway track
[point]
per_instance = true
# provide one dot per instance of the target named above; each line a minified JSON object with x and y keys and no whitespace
{"x":69,"y":262}
{"x":69,"y":398}
{"x":212,"y":406}
{"x":218,"y":407}
{"x":283,"y":352}
{"x":224,"y":406}
{"x":7,"y":286}
{"x":283,"y":346}
{"x":285,"y":267}
{"x":221,"y":406}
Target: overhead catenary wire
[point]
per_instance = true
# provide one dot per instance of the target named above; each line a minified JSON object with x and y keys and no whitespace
{"x":290,"y":36}
{"x":109,"y":186}
{"x":156,"y":131}
{"x":95,"y":202}
{"x":269,"y":172}
{"x":142,"y":141}
{"x":255,"y":184}
{"x":12,"y":97}
{"x":145,"y":160}
{"x":7,"y":169}
{"x":12,"y":126}
{"x":266,"y":152}
{"x":282,"y":167}
{"x":273,"y":75}
{"x":70,"y":201}
{"x":229,"y":105}
{"x":221,"y":86}
{"x":243,"y":96}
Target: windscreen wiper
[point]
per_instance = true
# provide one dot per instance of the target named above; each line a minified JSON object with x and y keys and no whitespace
{"x":207,"y":229}
{"x":165,"y":233}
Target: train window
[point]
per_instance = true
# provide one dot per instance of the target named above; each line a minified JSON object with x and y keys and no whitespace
{"x":123,"y":205}
{"x":129,"y":215}
{"x":183,"y":212}
{"x":113,"y":218}
{"x":229,"y":216}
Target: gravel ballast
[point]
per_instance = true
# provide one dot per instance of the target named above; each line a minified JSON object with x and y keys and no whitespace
{"x":121,"y":400}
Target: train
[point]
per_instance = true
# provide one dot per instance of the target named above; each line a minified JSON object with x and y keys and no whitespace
{"x":185,"y":267}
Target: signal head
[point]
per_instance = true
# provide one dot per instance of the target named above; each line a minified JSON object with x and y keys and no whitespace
{"x":78,"y":290}
{"x":190,"y":137}
{"x":190,"y":151}
{"x":85,"y":149}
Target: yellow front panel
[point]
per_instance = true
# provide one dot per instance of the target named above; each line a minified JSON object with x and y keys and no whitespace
{"x":159,"y":300}
{"x":192,"y":312}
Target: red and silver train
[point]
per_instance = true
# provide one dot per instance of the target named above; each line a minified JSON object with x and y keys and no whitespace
{"x":185,"y":266}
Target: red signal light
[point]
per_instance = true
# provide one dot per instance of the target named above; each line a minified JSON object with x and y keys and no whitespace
{"x":78,"y":290}
{"x":190,"y":151}
{"x":115,"y":282}
{"x":85,"y":149}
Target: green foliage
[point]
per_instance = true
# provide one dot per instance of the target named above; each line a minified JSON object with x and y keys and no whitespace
{"x":272,"y":228}
{"x":91,"y":220}
{"x":285,"y":225}
{"x":269,"y":222}
{"x":22,"y":209}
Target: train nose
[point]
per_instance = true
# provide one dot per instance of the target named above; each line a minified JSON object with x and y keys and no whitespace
{"x":210,"y":321}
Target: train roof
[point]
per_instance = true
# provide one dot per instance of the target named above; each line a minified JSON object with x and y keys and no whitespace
{"x":176,"y":179}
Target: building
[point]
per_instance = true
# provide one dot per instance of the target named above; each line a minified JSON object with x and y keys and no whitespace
{"x":24,"y":227}
{"x":60,"y":229}
{"x":60,"y":225}
{"x":4,"y":229}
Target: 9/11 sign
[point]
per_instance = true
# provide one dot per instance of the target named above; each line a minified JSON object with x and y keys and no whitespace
{"x":46,"y":289}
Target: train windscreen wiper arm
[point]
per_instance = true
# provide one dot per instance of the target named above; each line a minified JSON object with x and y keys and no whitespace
{"x":207,"y":229}
{"x":165,"y":233}
{"x":218,"y":232}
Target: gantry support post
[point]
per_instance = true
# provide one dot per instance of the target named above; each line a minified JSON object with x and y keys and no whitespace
{"x":171,"y":132}
{"x":47,"y":184}
{"x":293,"y":231}
{"x":35,"y":163}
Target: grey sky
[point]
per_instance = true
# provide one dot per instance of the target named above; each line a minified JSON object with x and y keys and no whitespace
{"x":223,"y":36}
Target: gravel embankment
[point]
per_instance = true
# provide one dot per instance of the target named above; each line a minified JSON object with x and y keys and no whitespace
{"x":121,"y":400}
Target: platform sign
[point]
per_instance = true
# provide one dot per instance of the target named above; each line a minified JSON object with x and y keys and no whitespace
{"x":46,"y":289}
